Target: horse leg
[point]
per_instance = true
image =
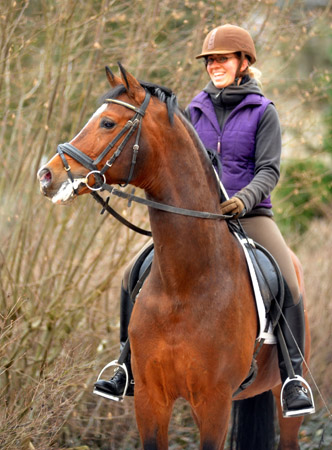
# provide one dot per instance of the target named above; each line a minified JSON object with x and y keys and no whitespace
{"x":212,"y":418}
{"x":152,"y":419}
{"x":289,"y":427}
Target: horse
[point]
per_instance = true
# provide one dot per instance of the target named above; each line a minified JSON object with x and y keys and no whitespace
{"x":194,"y":324}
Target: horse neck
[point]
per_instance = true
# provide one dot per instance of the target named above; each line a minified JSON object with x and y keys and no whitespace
{"x":185,"y":179}
{"x":180,"y":172}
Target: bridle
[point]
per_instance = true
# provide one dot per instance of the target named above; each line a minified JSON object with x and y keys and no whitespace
{"x":99,"y":174}
{"x":127,"y":131}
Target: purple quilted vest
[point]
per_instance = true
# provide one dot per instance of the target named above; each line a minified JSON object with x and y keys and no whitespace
{"x":236,"y":143}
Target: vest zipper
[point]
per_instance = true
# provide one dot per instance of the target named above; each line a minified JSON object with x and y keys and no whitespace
{"x":218,"y":146}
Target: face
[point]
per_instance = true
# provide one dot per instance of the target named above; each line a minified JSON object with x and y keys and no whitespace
{"x":53,"y":178}
{"x":109,"y":137}
{"x":223,"y":69}
{"x":91,"y":140}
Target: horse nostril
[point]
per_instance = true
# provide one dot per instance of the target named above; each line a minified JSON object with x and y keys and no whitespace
{"x":45,"y":177}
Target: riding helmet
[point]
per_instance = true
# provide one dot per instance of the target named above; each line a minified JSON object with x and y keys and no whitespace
{"x":228,"y":39}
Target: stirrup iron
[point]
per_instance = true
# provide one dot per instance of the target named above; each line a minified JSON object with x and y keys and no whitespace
{"x":115,"y":398}
{"x":302,"y":412}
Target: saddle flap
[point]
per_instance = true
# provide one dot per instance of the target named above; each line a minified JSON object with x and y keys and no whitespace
{"x":140,"y":270}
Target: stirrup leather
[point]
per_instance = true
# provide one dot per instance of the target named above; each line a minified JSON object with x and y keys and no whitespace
{"x":115,"y":398}
{"x":299,"y":412}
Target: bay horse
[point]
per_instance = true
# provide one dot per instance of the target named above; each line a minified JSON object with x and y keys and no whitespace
{"x":194,"y":324}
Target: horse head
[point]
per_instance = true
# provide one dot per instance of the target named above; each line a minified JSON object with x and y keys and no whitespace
{"x":106,"y":148}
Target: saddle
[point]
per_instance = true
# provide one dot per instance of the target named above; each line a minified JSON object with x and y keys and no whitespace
{"x":266,"y":278}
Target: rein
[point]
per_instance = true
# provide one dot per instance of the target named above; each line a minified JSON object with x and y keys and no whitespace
{"x":162,"y":206}
{"x":100,"y":180}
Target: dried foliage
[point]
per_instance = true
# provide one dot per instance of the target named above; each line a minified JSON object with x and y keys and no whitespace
{"x":61,"y":267}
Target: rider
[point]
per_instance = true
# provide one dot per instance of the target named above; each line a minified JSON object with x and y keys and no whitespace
{"x":235,"y":120}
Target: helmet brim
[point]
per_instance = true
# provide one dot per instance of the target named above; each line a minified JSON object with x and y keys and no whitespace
{"x":215,"y":52}
{"x":251,"y":58}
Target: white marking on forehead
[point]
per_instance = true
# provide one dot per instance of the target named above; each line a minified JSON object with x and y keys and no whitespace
{"x":97,"y":113}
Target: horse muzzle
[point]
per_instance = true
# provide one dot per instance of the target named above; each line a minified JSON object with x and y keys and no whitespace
{"x":59,"y":190}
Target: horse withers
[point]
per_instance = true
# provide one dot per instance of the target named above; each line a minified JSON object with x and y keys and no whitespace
{"x":194,"y":324}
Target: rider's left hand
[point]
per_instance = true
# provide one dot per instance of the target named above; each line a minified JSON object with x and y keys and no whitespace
{"x":233,"y":206}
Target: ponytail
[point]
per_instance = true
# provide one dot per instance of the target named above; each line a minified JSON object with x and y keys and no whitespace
{"x":251,"y":71}
{"x":257,"y":74}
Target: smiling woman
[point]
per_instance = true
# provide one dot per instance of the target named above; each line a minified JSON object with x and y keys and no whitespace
{"x":237,"y":122}
{"x":224,"y":69}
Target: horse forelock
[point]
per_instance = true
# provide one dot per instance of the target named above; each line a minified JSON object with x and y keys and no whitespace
{"x":113,"y":93}
{"x":162,"y":93}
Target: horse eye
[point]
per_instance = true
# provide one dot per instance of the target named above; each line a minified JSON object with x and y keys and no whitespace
{"x":107,"y":123}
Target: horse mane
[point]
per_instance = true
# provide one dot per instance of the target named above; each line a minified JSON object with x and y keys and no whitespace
{"x":208,"y":155}
{"x":164,"y":94}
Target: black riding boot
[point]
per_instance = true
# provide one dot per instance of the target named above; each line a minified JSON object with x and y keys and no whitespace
{"x":295,"y":399}
{"x":116,"y":385}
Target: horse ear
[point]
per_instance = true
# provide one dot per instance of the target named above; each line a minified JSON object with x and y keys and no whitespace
{"x":133,"y":87}
{"x":113,"y":79}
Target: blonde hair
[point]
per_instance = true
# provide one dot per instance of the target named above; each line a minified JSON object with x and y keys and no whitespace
{"x":251,"y":71}
{"x":255,"y":73}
